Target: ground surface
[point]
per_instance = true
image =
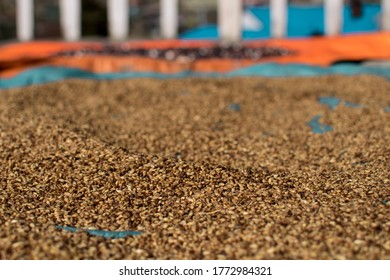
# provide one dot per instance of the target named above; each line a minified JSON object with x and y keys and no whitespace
{"x":205,"y":168}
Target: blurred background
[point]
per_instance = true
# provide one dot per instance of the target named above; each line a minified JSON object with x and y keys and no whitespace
{"x":198,"y":18}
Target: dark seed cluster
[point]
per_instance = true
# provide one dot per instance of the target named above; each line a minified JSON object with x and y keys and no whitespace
{"x":187,"y":54}
{"x":204,"y":168}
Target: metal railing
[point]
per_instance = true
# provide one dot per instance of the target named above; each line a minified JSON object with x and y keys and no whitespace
{"x":229,"y":18}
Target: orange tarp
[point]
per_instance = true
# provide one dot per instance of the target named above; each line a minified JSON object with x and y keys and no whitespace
{"x":320,"y":51}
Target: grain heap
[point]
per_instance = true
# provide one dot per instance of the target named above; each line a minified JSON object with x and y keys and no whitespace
{"x":187,"y":53}
{"x":205,"y":168}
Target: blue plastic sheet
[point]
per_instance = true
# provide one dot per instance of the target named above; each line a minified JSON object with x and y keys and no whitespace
{"x":330,"y":101}
{"x":103,"y":233}
{"x":317,"y":127}
{"x":52,"y":74}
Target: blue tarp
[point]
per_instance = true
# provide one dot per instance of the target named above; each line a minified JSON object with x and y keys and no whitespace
{"x":51,"y":74}
{"x":303,"y":21}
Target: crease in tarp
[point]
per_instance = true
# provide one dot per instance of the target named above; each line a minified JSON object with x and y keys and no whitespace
{"x":47,"y":74}
{"x":102,"y":233}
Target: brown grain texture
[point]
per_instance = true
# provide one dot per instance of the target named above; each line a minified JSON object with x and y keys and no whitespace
{"x":206,"y":168}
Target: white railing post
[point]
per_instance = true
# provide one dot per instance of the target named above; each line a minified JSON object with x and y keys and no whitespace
{"x":25,"y":19}
{"x":169,"y":18}
{"x":385,"y":8}
{"x":333,"y":17}
{"x":229,"y":20}
{"x":278,"y":10}
{"x":118,"y":19}
{"x":70,"y":18}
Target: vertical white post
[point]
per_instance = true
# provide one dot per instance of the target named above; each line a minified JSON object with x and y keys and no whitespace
{"x":169,"y":18}
{"x":118,"y":19}
{"x":333,"y":17}
{"x":385,"y":8}
{"x":70,"y":17}
{"x":278,"y":10}
{"x":229,"y":20}
{"x":25,"y":19}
